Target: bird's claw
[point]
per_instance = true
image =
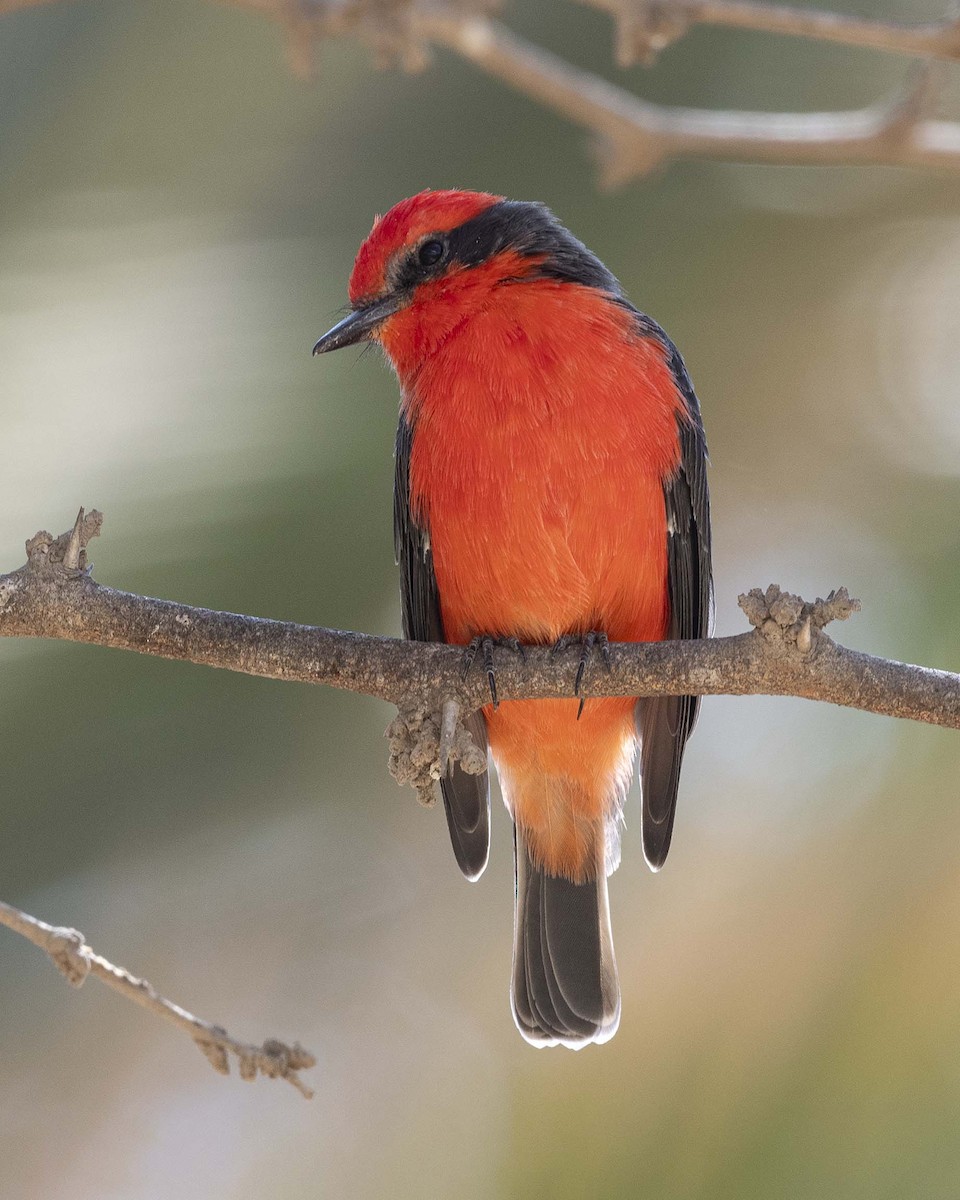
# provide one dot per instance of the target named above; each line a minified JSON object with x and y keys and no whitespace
{"x":484,"y":646}
{"x":587,"y":641}
{"x":512,"y":643}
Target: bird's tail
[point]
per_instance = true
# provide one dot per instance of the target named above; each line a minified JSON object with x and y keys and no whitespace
{"x":565,"y":989}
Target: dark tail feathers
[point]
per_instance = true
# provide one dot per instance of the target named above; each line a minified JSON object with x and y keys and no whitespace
{"x":466,"y":799}
{"x":565,"y":989}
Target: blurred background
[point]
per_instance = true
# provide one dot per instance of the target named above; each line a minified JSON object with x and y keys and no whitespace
{"x":179,"y":218}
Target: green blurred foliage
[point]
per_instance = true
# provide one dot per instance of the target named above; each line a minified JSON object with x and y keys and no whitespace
{"x":179,"y":217}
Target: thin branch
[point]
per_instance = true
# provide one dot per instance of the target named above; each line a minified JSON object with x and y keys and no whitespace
{"x":637,"y":137}
{"x":70,"y":954}
{"x":645,"y":27}
{"x":787,"y":654}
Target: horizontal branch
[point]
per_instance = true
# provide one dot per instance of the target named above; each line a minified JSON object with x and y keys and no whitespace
{"x":787,"y":654}
{"x":636,"y":137}
{"x":645,"y":27}
{"x":70,"y":954}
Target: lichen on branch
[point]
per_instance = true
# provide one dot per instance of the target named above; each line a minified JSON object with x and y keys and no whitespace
{"x":48,"y":598}
{"x":67,"y":949}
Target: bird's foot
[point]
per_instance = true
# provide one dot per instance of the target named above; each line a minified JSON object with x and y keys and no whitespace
{"x":593,"y":639}
{"x":483,"y":645}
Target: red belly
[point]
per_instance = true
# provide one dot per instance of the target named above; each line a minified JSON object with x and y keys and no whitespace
{"x":538,"y":468}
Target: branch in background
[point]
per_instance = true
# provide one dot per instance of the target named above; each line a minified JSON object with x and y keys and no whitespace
{"x":637,"y":137}
{"x":646,"y":27}
{"x":786,"y":654}
{"x":68,"y":951}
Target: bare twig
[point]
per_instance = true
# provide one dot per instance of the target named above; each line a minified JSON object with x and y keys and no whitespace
{"x":449,"y":718}
{"x":781,"y":657}
{"x":637,"y":137}
{"x":69,"y":952}
{"x":645,"y":27}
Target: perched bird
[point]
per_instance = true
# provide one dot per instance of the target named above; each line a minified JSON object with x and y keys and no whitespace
{"x":550,"y":486}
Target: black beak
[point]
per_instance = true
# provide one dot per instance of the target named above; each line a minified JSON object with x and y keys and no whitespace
{"x":358,"y":325}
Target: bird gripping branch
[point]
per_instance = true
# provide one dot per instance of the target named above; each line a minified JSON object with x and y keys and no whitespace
{"x":550,"y":485}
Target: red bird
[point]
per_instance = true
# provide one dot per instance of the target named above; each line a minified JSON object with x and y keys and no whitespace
{"x":550,"y":485}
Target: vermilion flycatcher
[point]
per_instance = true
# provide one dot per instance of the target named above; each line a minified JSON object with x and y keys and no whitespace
{"x":550,"y":484}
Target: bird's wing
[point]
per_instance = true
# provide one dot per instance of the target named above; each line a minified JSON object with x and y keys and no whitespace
{"x":665,"y":722}
{"x":466,"y":798}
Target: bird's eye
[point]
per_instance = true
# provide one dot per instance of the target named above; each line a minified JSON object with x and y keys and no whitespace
{"x":431,"y":253}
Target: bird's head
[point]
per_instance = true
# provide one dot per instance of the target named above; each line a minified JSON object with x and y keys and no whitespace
{"x":437,"y":258}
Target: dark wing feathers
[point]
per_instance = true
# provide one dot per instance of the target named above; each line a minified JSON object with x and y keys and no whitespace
{"x":664,"y":723}
{"x":466,"y":798}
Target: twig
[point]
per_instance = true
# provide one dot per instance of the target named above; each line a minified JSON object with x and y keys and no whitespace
{"x":637,"y":137}
{"x":645,"y":27}
{"x":46,"y":599}
{"x":449,"y":718}
{"x":70,"y":954}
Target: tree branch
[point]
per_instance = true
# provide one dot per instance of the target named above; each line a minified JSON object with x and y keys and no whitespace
{"x":786,"y":654}
{"x":645,"y":27}
{"x":68,"y":951}
{"x":636,"y":137}
{"x":54,"y":596}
